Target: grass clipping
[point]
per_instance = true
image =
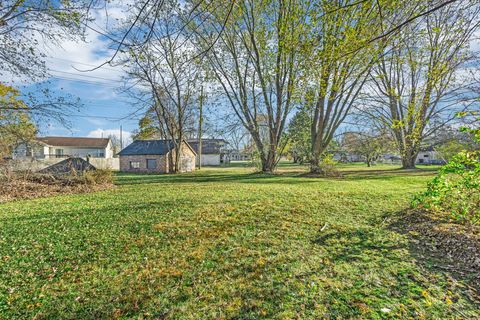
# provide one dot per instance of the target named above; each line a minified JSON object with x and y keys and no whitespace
{"x":28,"y":185}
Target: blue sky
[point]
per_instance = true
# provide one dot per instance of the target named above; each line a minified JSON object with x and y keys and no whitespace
{"x":104,"y":108}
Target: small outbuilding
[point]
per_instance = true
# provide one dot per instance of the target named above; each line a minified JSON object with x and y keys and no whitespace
{"x":155,"y":156}
{"x":429,"y":155}
{"x":213,"y":153}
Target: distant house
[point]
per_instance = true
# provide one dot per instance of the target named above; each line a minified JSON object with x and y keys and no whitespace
{"x":344,"y":156}
{"x":429,"y":156}
{"x":64,"y":147}
{"x":390,"y":158}
{"x":213,"y":153}
{"x":236,"y":155}
{"x":153,"y":156}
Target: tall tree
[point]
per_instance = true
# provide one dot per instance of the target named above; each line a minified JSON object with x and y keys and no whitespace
{"x":414,"y":86}
{"x":337,"y":75}
{"x":166,"y":68}
{"x":256,"y":61}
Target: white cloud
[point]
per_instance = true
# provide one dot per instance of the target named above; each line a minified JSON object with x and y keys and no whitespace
{"x":68,"y":58}
{"x":104,"y":133}
{"x":97,"y":122}
{"x":73,"y":59}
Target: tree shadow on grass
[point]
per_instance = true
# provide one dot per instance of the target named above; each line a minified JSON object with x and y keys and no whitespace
{"x":383,"y":251}
{"x":382,"y":174}
{"x":349,"y":244}
{"x":253,"y":178}
{"x":441,"y":246}
{"x":289,"y":177}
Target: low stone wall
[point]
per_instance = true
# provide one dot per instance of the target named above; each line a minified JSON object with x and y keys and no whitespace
{"x":36,"y":165}
{"x":102,"y":163}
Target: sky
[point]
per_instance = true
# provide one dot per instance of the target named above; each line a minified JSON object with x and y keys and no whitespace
{"x":104,"y":107}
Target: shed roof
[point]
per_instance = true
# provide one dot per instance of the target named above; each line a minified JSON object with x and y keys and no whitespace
{"x":209,"y":146}
{"x":75,"y":142}
{"x":147,"y":147}
{"x":150,"y":147}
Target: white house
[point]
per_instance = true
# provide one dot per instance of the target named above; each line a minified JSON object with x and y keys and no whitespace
{"x":429,"y":156}
{"x":63,"y":147}
{"x":213,"y":153}
{"x":236,"y":155}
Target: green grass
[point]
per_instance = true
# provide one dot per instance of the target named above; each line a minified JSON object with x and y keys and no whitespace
{"x":224,"y":243}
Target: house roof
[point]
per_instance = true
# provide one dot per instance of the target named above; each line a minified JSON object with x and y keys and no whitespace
{"x":209,"y":146}
{"x":74,"y":142}
{"x":427,"y":149}
{"x":149,"y":147}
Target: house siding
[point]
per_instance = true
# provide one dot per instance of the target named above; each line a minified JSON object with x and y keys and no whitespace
{"x":210,"y":159}
{"x":429,"y":157}
{"x":42,"y":152}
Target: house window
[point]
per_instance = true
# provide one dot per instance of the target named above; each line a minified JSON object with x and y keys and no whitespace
{"x":58,"y":153}
{"x":151,"y":163}
{"x":134,"y":165}
{"x":425,"y":156}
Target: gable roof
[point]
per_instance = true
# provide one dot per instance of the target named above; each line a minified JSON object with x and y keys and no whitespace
{"x":75,"y":142}
{"x":150,"y":147}
{"x":147,"y":147}
{"x":209,"y":146}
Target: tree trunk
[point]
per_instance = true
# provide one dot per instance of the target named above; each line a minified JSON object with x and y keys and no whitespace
{"x":315,"y":163}
{"x":408,"y":159}
{"x":317,"y":151}
{"x":268,"y":165}
{"x":200,"y":121}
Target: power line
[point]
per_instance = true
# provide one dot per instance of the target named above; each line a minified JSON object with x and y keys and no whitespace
{"x":101,"y":117}
{"x":84,"y":75}
{"x":109,"y":85}
{"x":83,"y":63}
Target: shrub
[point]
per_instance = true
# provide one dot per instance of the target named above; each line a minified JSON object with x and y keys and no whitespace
{"x":328,"y":166}
{"x":98,"y":177}
{"x":455,"y":191}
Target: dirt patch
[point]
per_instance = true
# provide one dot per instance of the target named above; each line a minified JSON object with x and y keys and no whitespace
{"x":41,"y":185}
{"x":442,"y":244}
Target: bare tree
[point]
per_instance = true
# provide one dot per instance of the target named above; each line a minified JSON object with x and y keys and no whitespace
{"x":416,"y":87}
{"x":165,"y":68}
{"x":336,"y":79}
{"x":256,"y":63}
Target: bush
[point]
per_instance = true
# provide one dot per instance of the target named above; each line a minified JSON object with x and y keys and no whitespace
{"x":98,"y":177}
{"x":455,"y":191}
{"x":328,"y":166}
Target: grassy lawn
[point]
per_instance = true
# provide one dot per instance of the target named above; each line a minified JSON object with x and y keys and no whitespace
{"x":224,"y":243}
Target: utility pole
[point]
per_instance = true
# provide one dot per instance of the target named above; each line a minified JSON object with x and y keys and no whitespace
{"x":121,"y":138}
{"x":200,"y":121}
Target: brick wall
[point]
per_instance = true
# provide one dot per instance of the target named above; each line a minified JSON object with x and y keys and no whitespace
{"x":162,"y":165}
{"x":187,"y":162}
